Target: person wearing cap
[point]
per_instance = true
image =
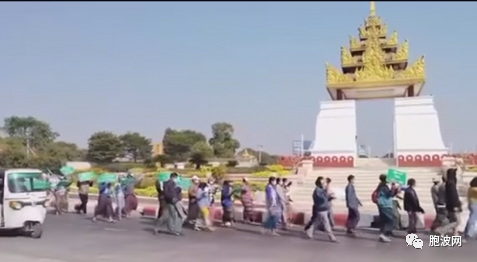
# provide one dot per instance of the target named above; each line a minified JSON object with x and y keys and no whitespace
{"x":193,"y":209}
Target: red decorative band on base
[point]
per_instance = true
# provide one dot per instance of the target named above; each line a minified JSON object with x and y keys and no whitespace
{"x":420,"y":160}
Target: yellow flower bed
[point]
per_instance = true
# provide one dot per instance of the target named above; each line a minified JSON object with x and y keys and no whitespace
{"x":276,"y":170}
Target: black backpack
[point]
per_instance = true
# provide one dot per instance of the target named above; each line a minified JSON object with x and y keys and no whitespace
{"x":169,"y":192}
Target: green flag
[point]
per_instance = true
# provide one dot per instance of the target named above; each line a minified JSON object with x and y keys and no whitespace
{"x":185,"y":183}
{"x":396,"y":176}
{"x":67,"y":170}
{"x":107,"y":178}
{"x":163,"y":176}
{"x":86,"y":176}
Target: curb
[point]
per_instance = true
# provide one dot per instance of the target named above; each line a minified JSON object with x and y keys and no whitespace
{"x":298,"y":218}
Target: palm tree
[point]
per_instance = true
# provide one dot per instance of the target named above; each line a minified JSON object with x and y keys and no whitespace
{"x":161,"y":159}
{"x":198,"y":160}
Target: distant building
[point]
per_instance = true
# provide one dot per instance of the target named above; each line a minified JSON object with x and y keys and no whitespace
{"x":245,"y":159}
{"x":157,"y":149}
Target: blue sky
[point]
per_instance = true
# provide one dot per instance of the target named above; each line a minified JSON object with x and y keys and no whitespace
{"x":145,"y":66}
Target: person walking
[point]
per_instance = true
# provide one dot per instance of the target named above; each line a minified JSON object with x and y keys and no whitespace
{"x":193,"y":209}
{"x":160,"y":198}
{"x":83,"y":193}
{"x":119,"y":199}
{"x":227,"y":203}
{"x":131,"y":202}
{"x":320,"y":211}
{"x":246,"y":197}
{"x":412,"y":206}
{"x":273,"y":209}
{"x":282,"y":203}
{"x":331,"y":198}
{"x":470,"y":227}
{"x":203,"y":201}
{"x":104,"y":207}
{"x":435,"y":199}
{"x":352,"y":203}
{"x":287,"y":185}
{"x":384,"y":201}
{"x":171,"y":216}
{"x":453,"y":204}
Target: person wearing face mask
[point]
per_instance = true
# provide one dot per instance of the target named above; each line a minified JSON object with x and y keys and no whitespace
{"x":320,"y":211}
{"x":171,"y":216}
{"x":273,"y":209}
{"x":384,"y":201}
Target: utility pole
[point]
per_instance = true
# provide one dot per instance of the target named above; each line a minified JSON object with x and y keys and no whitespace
{"x":28,"y":142}
{"x":260,"y":148}
{"x":27,"y":133}
{"x":28,"y":147}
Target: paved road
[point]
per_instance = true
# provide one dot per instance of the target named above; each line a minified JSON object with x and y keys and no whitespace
{"x":73,"y":238}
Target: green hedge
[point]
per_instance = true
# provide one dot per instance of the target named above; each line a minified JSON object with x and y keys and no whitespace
{"x":124,"y":167}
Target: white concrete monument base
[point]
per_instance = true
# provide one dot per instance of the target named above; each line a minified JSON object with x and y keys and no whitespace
{"x":417,"y":134}
{"x":335,"y":134}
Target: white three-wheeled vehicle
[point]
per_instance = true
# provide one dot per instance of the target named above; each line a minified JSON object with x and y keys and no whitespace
{"x":23,"y":197}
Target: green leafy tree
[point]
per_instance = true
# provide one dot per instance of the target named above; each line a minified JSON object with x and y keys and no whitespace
{"x":162,"y":160}
{"x":219,"y":172}
{"x":178,"y":143}
{"x":38,"y":133}
{"x":63,"y":151}
{"x":13,"y":158}
{"x":223,"y":143}
{"x":201,"y":151}
{"x":136,"y":145}
{"x":104,"y":147}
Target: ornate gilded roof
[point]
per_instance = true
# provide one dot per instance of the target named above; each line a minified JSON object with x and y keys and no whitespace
{"x":374,"y":57}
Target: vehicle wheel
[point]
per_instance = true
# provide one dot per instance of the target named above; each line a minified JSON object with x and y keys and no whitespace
{"x":36,"y":230}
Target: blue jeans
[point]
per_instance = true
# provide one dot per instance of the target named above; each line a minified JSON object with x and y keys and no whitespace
{"x":470,"y":226}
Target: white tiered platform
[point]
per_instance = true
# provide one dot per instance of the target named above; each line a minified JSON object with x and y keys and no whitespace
{"x":417,"y":136}
{"x":335,"y":134}
{"x":418,"y":140}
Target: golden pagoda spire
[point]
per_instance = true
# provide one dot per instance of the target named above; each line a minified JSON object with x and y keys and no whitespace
{"x":374,"y":59}
{"x":372,"y":8}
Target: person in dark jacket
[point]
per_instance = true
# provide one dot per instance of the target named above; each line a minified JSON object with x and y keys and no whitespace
{"x":171,"y":215}
{"x":320,"y":210}
{"x":352,"y":203}
{"x":412,"y":205}
{"x":160,"y":198}
{"x":453,"y":204}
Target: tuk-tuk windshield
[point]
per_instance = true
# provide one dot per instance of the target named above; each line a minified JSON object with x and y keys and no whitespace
{"x":26,"y":182}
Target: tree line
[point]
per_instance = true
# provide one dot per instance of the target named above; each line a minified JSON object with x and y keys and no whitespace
{"x":31,"y":142}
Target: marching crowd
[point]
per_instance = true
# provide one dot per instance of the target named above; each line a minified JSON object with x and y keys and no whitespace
{"x":173,"y":215}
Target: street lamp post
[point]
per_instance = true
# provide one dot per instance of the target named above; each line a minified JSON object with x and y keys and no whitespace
{"x":260,"y":148}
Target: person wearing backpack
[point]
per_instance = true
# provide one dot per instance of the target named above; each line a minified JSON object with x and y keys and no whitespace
{"x":384,"y":199}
